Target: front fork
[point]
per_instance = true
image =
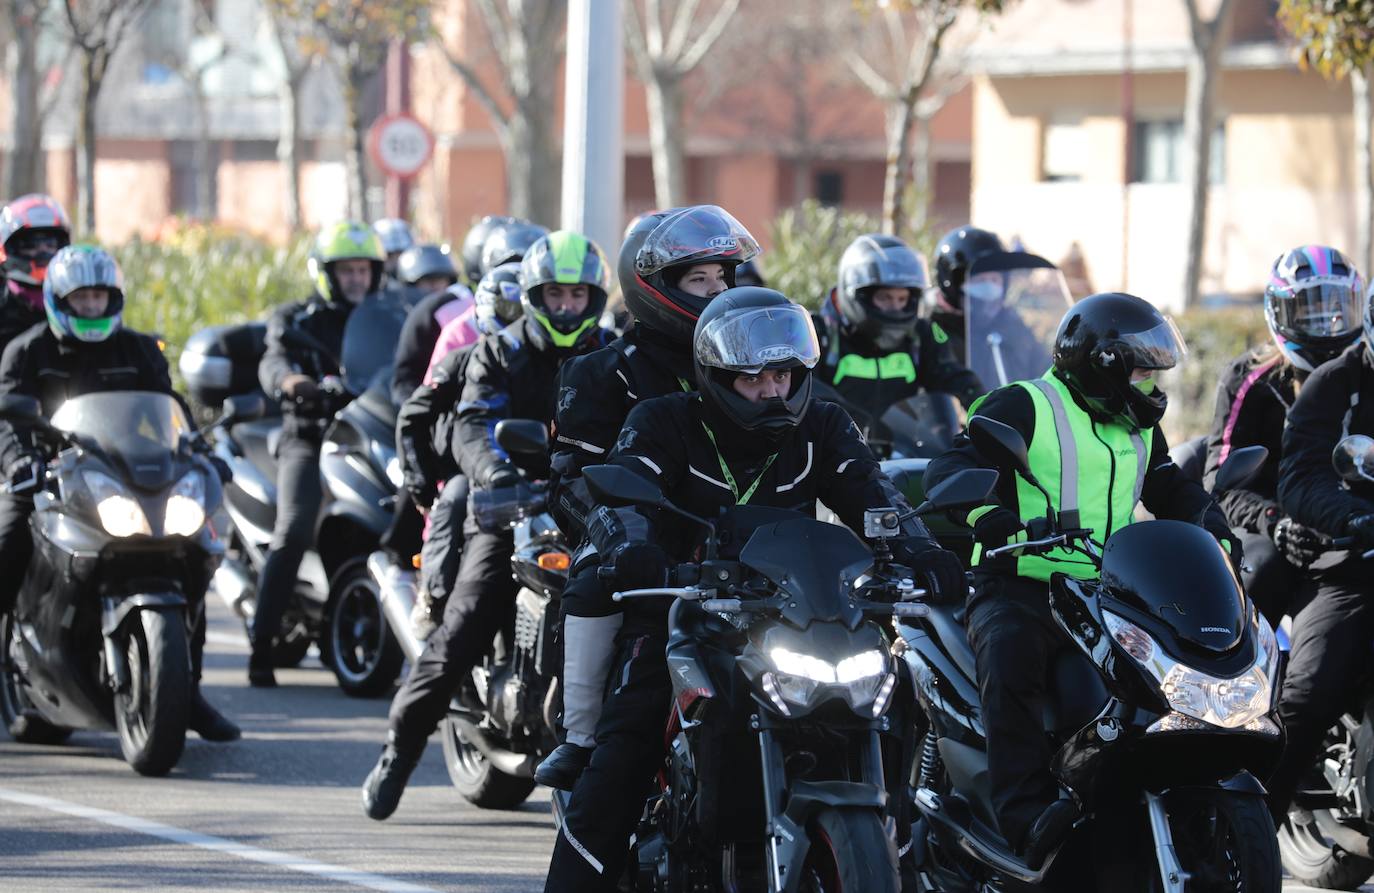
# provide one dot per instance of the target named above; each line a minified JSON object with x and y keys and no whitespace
{"x":115,"y":614}
{"x":1170,"y":869}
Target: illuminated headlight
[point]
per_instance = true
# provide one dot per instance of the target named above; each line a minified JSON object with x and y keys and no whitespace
{"x":864,"y":676}
{"x":186,"y":506}
{"x":393,"y":472}
{"x":1232,"y":703}
{"x":120,"y":514}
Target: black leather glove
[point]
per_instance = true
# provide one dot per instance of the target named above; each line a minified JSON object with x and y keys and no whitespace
{"x":503,"y":475}
{"x":640,"y":565}
{"x":1300,"y":544}
{"x":422,"y":491}
{"x":1361,"y":527}
{"x":944,"y":575}
{"x":24,"y":475}
{"x":993,"y":525}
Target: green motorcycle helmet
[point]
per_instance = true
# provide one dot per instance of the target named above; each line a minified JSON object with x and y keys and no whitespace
{"x":346,"y":240}
{"x":563,"y":257}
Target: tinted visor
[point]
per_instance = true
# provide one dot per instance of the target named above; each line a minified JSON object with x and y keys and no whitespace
{"x":1321,"y":307}
{"x":1159,"y":348}
{"x":700,"y":234}
{"x":749,"y":340}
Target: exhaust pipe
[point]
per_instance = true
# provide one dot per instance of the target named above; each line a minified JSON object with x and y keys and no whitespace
{"x":397,"y":603}
{"x":506,"y":761}
{"x":235,"y":587}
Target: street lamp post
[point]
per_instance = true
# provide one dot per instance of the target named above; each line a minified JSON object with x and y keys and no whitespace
{"x":593,"y":121}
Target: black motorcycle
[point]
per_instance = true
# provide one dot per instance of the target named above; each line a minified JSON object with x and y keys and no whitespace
{"x":1161,"y":713}
{"x":122,"y":557}
{"x":1328,"y":840}
{"x":783,"y":671}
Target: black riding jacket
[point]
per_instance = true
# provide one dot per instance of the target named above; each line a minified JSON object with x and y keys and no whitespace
{"x":427,"y":422}
{"x":37,"y":364}
{"x":1253,"y":399}
{"x":420,"y":333}
{"x":507,"y":378}
{"x":665,"y":439}
{"x":595,"y":394}
{"x":16,"y":316}
{"x":1337,"y":400}
{"x":304,"y":337}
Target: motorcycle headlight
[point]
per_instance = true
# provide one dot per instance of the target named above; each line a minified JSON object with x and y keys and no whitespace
{"x":186,"y":506}
{"x":1229,"y":703}
{"x":120,"y":514}
{"x":864,"y":677}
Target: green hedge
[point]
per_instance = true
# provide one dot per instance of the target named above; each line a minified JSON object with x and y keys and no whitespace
{"x":1214,"y":337}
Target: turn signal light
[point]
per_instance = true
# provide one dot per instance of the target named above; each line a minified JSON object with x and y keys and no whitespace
{"x":554,"y":561}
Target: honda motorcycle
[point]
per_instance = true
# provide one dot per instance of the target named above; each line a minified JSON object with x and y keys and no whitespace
{"x":98,"y":638}
{"x":783,"y":671}
{"x":1327,"y":839}
{"x":1161,"y":714}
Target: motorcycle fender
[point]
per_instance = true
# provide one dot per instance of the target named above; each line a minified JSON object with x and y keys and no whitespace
{"x":1240,"y":783}
{"x":115,"y":613}
{"x":357,"y":514}
{"x":790,"y":840}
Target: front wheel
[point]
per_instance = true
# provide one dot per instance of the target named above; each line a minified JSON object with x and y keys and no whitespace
{"x":477,"y":780}
{"x":362,"y":652}
{"x":1225,"y":841}
{"x":16,"y":710}
{"x":152,"y":713}
{"x":850,"y":851}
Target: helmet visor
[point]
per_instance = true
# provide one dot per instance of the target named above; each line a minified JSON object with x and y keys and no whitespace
{"x":1159,"y":348}
{"x":700,"y":234}
{"x":749,"y":340}
{"x":1320,"y":307}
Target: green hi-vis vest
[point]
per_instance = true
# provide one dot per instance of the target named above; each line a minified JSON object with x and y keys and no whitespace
{"x":1095,"y":468}
{"x":894,"y":365}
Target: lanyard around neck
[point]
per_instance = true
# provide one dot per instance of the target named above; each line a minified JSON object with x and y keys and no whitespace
{"x":730,"y":478}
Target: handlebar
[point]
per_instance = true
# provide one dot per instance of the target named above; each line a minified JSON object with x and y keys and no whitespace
{"x":1345,"y":542}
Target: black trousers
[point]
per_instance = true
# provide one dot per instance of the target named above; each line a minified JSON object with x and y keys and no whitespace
{"x":442,"y":551}
{"x":16,"y":546}
{"x":1013,"y":637}
{"x":401,"y":539}
{"x":1272,"y":581}
{"x":1333,"y":637}
{"x":299,"y":493}
{"x":481,"y":602}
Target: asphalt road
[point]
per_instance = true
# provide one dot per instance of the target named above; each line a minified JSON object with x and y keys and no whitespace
{"x":278,"y":810}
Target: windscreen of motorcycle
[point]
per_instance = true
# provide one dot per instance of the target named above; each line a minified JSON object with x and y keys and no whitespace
{"x":369,"y":341}
{"x":921,"y":426}
{"x":815,"y":564}
{"x":1178,"y":573}
{"x":137,"y":431}
{"x":1013,"y":304}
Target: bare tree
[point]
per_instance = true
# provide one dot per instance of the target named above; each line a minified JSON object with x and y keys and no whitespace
{"x":95,"y":29}
{"x":662,"y":59}
{"x":28,"y":110}
{"x":524,"y":38}
{"x":1199,"y":120}
{"x":299,"y":56}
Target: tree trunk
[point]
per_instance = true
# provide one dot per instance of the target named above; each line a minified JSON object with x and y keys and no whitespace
{"x":922,"y":168}
{"x":25,"y":127}
{"x":288,"y":146}
{"x":205,"y":167}
{"x":663,"y":93}
{"x":1199,"y":120}
{"x":354,"y":162}
{"x":901,"y":115}
{"x":85,"y":147}
{"x":1364,"y":177}
{"x":533,"y":180}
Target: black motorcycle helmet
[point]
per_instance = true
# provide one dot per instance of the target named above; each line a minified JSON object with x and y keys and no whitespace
{"x":422,"y":261}
{"x":874,"y":261}
{"x":1102,"y":339}
{"x":658,"y":249}
{"x":509,"y":242}
{"x":954,"y":255}
{"x":473,"y":243}
{"x":748,"y":273}
{"x":748,"y":329}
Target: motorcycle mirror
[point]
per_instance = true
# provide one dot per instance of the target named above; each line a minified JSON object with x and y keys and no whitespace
{"x":966,"y":489}
{"x":244,"y":407}
{"x":20,"y":406}
{"x":1000,"y":442}
{"x":615,"y":486}
{"x":1241,"y":467}
{"x":524,"y":437}
{"x":1353,"y":458}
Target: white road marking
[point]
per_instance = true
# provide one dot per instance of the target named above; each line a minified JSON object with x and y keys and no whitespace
{"x":217,"y":844}
{"x":226,"y":639}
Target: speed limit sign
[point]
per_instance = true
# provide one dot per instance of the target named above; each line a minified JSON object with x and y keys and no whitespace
{"x":399,"y":144}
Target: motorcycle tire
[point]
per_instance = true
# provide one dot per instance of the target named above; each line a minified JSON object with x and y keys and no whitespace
{"x":152,"y":714}
{"x":477,"y":780}
{"x":17,"y":712}
{"x":1314,"y":860}
{"x":850,"y":850}
{"x":362,"y":652}
{"x":1225,"y":841}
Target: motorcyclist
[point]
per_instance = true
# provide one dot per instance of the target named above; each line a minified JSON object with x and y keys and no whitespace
{"x":512,"y":374}
{"x":32,"y":229}
{"x":874,"y":350}
{"x":476,"y":240}
{"x":1312,"y":305}
{"x":754,"y":435}
{"x":396,"y":237}
{"x":304,"y":343}
{"x":1092,"y":419}
{"x":426,"y":268}
{"x":81,"y":349}
{"x":508,"y":242}
{"x":954,"y":254}
{"x":1332,"y":632}
{"x":672,"y":264}
{"x":425,"y":444}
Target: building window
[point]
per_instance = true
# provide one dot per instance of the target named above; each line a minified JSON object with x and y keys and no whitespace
{"x":829,"y":187}
{"x":1065,"y":151}
{"x":1159,"y":152}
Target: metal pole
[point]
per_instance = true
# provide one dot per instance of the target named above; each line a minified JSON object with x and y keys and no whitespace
{"x":397,"y":101}
{"x":1128,"y":142}
{"x":593,"y":122}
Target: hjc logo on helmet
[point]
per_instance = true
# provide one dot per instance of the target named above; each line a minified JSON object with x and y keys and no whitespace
{"x":722,"y":242}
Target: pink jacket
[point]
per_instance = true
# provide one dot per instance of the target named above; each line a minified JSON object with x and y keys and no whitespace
{"x":457,"y":332}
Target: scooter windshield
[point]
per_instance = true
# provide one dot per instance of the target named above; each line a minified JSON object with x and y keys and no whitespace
{"x":1012,"y":309}
{"x":140,"y":430}
{"x":921,"y":426}
{"x":369,"y":342}
{"x":813,"y":563}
